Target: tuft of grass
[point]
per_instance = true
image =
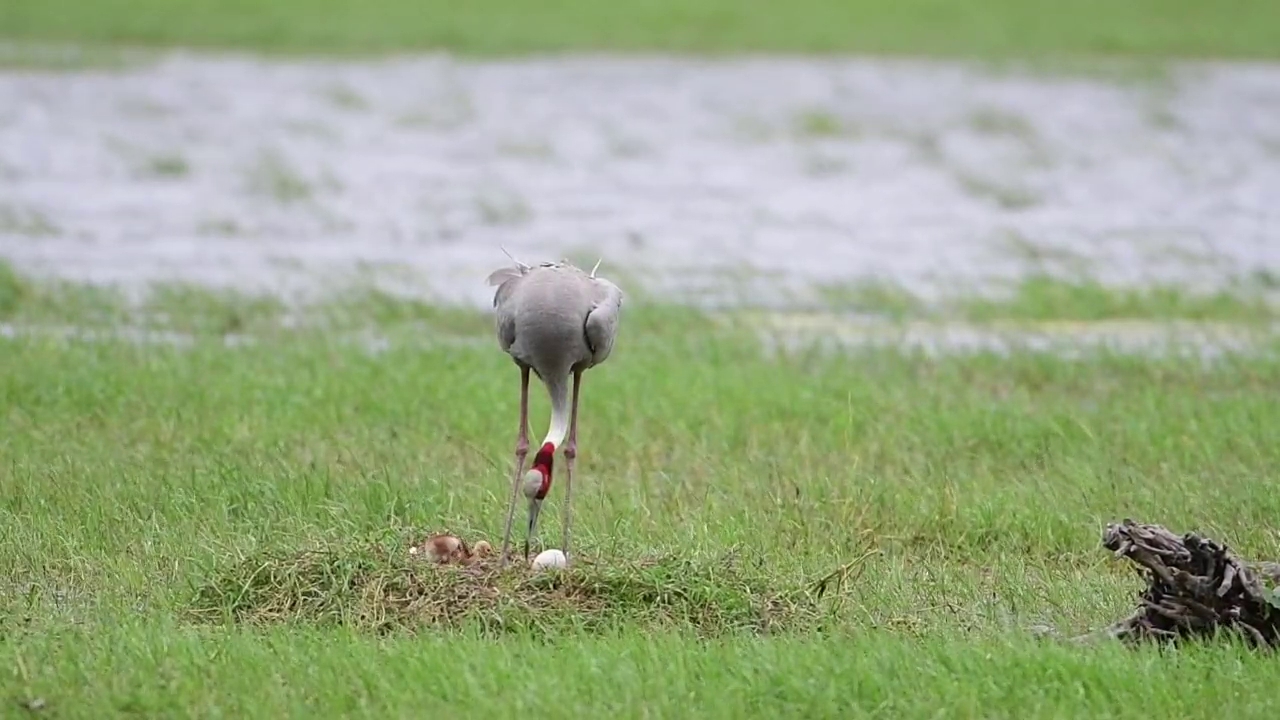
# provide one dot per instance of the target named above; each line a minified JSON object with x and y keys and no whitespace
{"x":224,"y":227}
{"x":13,"y":290}
{"x":819,"y":124}
{"x":1162,"y":117}
{"x":274,"y":177}
{"x":30,"y":222}
{"x":972,"y":28}
{"x":994,"y":121}
{"x":169,"y":165}
{"x":345,"y":97}
{"x":623,"y":146}
{"x":928,"y":147}
{"x":1007,"y":196}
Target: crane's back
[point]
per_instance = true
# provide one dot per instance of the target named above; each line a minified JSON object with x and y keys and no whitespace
{"x":543,"y":313}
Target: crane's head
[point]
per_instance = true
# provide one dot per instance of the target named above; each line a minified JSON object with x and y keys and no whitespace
{"x":536,"y":485}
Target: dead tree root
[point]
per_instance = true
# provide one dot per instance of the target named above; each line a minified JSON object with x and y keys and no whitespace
{"x":1197,"y":588}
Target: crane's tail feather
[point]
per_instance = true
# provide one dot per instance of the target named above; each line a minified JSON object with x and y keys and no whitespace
{"x":523,"y":267}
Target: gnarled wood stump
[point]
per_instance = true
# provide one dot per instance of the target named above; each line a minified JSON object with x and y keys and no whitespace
{"x":1196,"y":588}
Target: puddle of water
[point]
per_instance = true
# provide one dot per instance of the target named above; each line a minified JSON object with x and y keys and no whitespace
{"x":686,"y":175}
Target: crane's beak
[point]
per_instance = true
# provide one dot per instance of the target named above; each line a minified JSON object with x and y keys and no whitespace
{"x":535,"y":507}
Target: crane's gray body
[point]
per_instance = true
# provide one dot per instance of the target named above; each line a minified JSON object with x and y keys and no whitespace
{"x":554,"y":317}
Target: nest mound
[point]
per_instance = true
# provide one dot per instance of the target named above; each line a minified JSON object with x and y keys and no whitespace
{"x":373,"y":587}
{"x":1196,"y":588}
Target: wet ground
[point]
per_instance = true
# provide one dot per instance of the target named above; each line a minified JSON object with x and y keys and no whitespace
{"x":731,"y":179}
{"x":798,"y":331}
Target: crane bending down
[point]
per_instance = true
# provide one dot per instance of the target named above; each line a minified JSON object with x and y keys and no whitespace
{"x":558,"y":321}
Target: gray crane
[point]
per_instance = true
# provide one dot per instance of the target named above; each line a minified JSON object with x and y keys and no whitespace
{"x":556,"y":320}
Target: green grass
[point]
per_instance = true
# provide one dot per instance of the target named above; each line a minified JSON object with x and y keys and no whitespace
{"x":167,"y":166}
{"x":212,"y":530}
{"x":1048,"y":298}
{"x":354,"y":305}
{"x":34,"y":57}
{"x":159,"y":669}
{"x":980,"y":28}
{"x":1042,"y":297}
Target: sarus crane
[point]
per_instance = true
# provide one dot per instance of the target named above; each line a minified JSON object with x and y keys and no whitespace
{"x":556,"y":320}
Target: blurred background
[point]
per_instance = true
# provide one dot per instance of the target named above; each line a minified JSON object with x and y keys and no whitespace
{"x":862,"y":155}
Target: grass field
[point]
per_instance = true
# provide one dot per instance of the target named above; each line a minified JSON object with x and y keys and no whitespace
{"x":978,"y":28}
{"x":206,"y":499}
{"x":156,"y":501}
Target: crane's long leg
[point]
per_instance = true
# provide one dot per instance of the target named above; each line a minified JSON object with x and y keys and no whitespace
{"x":570,"y":453}
{"x":522,"y":451}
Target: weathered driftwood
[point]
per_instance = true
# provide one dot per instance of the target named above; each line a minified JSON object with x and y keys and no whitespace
{"x":1196,"y":588}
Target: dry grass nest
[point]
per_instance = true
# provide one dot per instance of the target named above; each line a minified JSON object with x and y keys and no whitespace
{"x":381,"y":587}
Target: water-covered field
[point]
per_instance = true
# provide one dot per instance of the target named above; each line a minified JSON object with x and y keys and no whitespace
{"x":752,"y":180}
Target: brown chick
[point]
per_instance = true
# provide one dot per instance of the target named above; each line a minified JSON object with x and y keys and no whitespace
{"x":445,"y":549}
{"x":482,"y":550}
{"x":442,"y":549}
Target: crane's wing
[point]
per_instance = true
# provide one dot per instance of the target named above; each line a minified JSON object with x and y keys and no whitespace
{"x":504,"y":315}
{"x":505,"y":323}
{"x":602,"y":320}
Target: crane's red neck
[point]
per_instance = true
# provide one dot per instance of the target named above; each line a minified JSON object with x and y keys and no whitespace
{"x":542,"y":463}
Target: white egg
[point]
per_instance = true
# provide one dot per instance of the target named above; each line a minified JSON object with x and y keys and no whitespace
{"x":552,"y":558}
